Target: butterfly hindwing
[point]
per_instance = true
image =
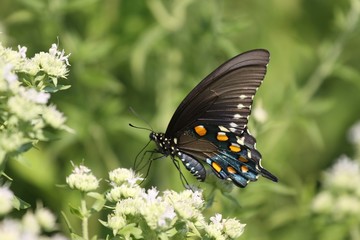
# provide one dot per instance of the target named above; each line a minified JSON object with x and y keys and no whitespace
{"x":231,"y":156}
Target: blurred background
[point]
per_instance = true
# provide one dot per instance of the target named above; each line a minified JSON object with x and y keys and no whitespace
{"x":149,"y":54}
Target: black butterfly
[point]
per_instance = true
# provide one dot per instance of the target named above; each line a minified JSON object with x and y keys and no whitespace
{"x":210,"y":124}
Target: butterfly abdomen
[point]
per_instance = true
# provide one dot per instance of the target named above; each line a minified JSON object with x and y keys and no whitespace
{"x":193,"y":166}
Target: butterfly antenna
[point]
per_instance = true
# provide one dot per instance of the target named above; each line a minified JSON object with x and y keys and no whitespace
{"x":138,"y":116}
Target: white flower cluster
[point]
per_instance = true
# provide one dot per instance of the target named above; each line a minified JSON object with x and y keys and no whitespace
{"x":340,"y":196}
{"x":82,"y":179}
{"x":149,"y":215}
{"x":25,"y":87}
{"x":32,"y":225}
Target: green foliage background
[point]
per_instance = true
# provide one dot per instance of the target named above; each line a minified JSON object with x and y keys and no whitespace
{"x":149,"y":54}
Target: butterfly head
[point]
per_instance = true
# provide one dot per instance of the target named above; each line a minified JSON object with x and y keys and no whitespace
{"x":163,"y":143}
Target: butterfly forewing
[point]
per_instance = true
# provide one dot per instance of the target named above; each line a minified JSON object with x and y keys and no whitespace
{"x":225,"y":96}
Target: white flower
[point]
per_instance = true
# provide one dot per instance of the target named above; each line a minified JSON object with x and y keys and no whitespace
{"x":187,"y":204}
{"x":259,"y":113}
{"x":323,"y":202}
{"x":53,"y":50}
{"x":45,"y":218}
{"x":50,"y":64}
{"x":124,"y":191}
{"x":152,"y":195}
{"x":30,"y":223}
{"x":116,"y":223}
{"x":346,"y":206}
{"x":53,"y":117}
{"x":82,"y":179}
{"x":8,"y":75}
{"x":22,"y":51}
{"x":158,"y":214}
{"x":354,"y":133}
{"x":220,"y":228}
{"x":340,"y":198}
{"x":344,"y":175}
{"x":121,"y":175}
{"x":233,"y":228}
{"x":81,"y":169}
{"x":129,"y":206}
{"x":6,"y":198}
{"x":216,"y":221}
{"x":214,"y":229}
{"x":23,"y":108}
{"x":167,"y":214}
{"x":34,"y":96}
{"x":12,"y":141}
{"x":10,"y":229}
{"x":60,"y":55}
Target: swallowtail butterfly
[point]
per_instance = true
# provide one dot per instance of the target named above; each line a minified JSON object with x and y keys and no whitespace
{"x":210,"y":125}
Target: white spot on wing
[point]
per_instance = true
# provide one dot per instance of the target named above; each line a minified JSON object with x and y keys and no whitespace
{"x":237,"y":116}
{"x":232,"y":129}
{"x":223,"y":129}
{"x":235,"y":145}
{"x":240,"y":140}
{"x":232,"y":124}
{"x":242,"y":96}
{"x":241,"y":106}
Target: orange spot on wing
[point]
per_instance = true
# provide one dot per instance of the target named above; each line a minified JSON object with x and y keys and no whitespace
{"x":231,"y":170}
{"x":200,"y":130}
{"x":242,"y":159}
{"x":244,"y":168}
{"x":216,"y":166}
{"x":221,"y":136}
{"x":234,"y":147}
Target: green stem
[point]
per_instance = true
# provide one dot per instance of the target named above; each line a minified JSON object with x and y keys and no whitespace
{"x":85,"y":218}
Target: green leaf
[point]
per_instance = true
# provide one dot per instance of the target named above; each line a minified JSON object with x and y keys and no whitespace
{"x":131,"y":230}
{"x":100,"y":201}
{"x":103,"y":222}
{"x":53,"y":89}
{"x":95,"y":195}
{"x":40,"y":78}
{"x":25,"y":147}
{"x":76,"y":237}
{"x":18,"y":203}
{"x":75,"y":211}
